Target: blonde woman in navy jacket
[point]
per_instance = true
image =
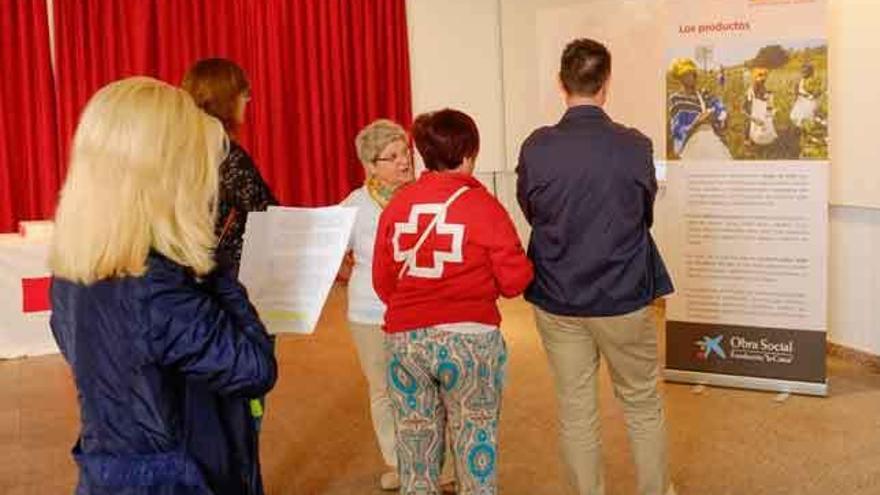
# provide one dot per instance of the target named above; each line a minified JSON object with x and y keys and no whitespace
{"x":161,"y":342}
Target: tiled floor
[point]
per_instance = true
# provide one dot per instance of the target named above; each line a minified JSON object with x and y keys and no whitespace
{"x":318,"y":438}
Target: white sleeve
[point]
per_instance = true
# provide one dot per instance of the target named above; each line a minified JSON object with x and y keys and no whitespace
{"x":351,"y":201}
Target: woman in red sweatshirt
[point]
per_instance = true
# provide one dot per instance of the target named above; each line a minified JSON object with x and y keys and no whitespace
{"x":445,"y":251}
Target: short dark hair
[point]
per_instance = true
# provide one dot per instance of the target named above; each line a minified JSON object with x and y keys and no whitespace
{"x":445,"y":138}
{"x":585,"y":67}
{"x":215,"y":84}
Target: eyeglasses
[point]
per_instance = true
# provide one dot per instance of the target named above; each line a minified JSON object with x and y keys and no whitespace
{"x":395,"y":156}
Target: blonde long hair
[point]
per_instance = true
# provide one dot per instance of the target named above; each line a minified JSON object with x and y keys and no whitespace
{"x":143,"y":176}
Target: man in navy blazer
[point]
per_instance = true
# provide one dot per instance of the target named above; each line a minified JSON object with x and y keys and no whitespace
{"x":587,"y":186}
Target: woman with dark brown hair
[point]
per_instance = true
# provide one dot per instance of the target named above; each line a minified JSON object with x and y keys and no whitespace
{"x":445,"y":251}
{"x":221,"y":88}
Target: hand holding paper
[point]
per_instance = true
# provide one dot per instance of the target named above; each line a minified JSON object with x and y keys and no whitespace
{"x":289,"y":261}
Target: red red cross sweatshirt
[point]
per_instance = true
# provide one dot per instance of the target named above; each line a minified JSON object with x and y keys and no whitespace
{"x":472,"y":256}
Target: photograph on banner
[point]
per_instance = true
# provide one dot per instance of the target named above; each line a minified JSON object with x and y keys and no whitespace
{"x":747,"y":100}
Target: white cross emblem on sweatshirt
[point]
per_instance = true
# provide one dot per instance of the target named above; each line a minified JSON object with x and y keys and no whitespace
{"x":410,"y":229}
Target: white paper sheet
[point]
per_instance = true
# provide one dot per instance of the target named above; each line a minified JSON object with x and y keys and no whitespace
{"x":289,"y":261}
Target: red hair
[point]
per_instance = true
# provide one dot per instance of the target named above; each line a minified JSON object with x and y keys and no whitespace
{"x":445,"y":138}
{"x":215,"y":84}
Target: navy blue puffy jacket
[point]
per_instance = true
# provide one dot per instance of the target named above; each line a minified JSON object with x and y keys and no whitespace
{"x":164,"y":365}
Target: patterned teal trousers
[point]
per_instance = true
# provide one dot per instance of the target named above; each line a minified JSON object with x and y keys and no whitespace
{"x":437,"y":377}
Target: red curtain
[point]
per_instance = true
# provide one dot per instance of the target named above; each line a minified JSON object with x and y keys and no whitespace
{"x":319,"y":69}
{"x":96,"y":42}
{"x":29,"y":171}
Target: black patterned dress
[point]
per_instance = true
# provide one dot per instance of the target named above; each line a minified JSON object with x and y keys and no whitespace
{"x":242,"y":189}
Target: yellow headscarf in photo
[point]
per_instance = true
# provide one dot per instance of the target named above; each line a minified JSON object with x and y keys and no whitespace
{"x":681,"y":67}
{"x":759,"y":74}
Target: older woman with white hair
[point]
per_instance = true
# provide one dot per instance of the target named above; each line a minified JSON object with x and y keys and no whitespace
{"x":383,"y":149}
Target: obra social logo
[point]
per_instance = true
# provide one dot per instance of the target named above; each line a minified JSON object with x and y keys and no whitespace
{"x":710,"y":345}
{"x":762,"y":350}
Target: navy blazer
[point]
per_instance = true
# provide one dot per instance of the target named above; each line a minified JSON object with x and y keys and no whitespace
{"x":164,"y":364}
{"x":587,"y":187}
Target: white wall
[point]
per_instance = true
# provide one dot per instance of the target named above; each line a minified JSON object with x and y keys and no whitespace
{"x":455,"y":58}
{"x":531,"y":61}
{"x":854,"y":269}
{"x":451,"y":35}
{"x":456,"y":61}
{"x":854,"y":278}
{"x":854,"y":62}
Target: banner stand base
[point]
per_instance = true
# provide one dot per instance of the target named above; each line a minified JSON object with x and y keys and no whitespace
{"x":748,"y":382}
